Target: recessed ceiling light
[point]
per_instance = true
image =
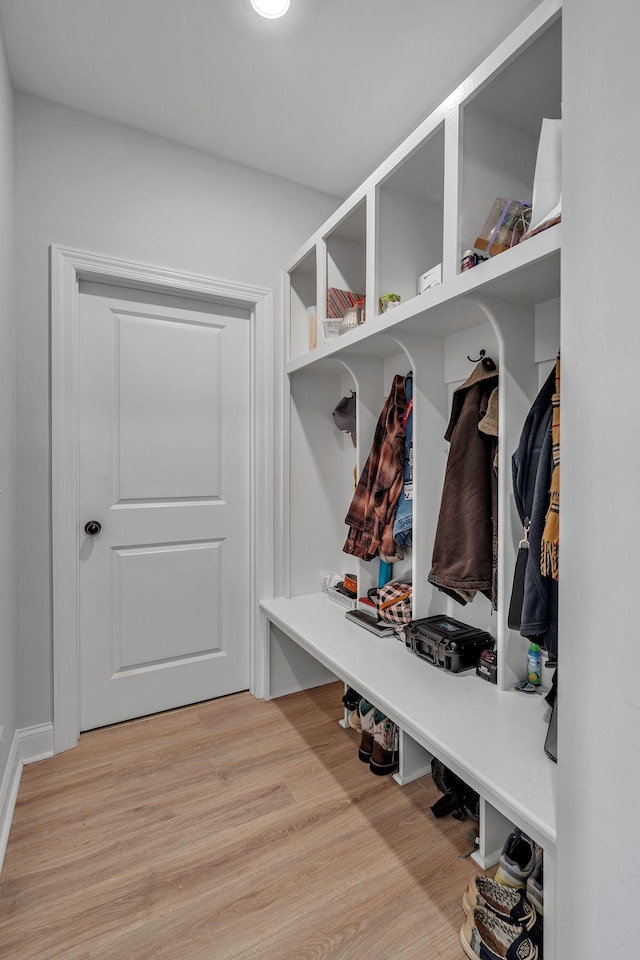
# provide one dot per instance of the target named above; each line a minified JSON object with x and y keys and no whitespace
{"x":271,"y":9}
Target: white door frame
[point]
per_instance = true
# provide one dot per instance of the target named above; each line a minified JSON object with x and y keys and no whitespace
{"x":68,"y":267}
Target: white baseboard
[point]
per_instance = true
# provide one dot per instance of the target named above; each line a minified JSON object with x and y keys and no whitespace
{"x":35,"y":743}
{"x":28,"y":745}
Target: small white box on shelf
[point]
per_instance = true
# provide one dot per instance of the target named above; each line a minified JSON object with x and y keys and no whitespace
{"x":348,"y":602}
{"x":430,"y":279}
{"x":331,"y":328}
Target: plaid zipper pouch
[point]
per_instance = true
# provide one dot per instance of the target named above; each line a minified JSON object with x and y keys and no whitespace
{"x":393,"y":602}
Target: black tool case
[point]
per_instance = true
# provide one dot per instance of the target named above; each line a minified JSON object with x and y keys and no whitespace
{"x":447,"y":643}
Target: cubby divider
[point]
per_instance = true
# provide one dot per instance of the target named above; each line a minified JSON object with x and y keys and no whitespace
{"x":414,"y":760}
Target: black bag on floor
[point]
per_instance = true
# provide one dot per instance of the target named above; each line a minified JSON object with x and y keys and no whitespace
{"x":551,"y":741}
{"x":459,"y":799}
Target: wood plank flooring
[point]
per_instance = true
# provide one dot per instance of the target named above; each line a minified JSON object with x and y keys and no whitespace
{"x":226,"y":830}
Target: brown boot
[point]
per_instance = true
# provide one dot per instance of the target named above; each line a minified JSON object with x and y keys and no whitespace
{"x":366,"y":712}
{"x":384,"y":754}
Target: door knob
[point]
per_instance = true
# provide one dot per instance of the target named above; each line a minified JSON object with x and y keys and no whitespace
{"x":92,"y":527}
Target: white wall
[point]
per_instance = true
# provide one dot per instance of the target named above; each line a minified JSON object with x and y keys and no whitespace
{"x":599,"y":718}
{"x":107,"y":188}
{"x":8,"y":639}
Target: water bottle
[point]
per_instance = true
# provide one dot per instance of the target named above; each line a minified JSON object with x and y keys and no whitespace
{"x":534,"y":665}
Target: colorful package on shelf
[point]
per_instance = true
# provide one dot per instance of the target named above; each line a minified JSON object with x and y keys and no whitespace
{"x":339,"y":301}
{"x":507,"y":221}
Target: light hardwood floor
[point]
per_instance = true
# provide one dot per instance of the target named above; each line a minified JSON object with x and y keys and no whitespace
{"x":230,"y":829}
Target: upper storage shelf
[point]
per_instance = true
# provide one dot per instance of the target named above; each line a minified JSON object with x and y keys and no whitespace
{"x":530,"y":273}
{"x":427,"y":204}
{"x":501,"y":125}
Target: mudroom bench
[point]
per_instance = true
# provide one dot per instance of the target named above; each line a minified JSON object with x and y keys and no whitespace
{"x":491,"y":738}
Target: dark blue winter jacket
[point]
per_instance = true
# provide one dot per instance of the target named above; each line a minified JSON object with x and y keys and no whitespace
{"x":532,"y":465}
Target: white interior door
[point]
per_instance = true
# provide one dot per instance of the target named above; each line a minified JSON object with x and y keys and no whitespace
{"x":164,"y":467}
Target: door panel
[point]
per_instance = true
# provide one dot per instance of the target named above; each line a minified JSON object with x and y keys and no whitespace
{"x":166,"y":604}
{"x":168,"y":377}
{"x":164,"y":399}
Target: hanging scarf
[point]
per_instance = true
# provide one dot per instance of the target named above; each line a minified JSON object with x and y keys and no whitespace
{"x":550,"y":536}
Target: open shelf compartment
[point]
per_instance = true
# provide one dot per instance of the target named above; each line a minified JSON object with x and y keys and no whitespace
{"x":501,"y":127}
{"x":303,"y":311}
{"x":410,"y":205}
{"x":346,"y":262}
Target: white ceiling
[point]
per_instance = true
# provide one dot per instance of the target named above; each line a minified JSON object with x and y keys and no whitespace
{"x":319,"y":97}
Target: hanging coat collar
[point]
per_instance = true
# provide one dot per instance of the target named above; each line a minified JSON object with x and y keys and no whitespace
{"x":480,"y":373}
{"x":481,"y":382}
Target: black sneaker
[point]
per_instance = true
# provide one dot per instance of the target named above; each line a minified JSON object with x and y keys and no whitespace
{"x":518,"y":859}
{"x":351,"y":699}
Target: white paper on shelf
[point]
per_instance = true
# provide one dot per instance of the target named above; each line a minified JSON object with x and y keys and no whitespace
{"x":547,"y":184}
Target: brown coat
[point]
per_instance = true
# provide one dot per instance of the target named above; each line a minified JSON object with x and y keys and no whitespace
{"x":464,"y":554}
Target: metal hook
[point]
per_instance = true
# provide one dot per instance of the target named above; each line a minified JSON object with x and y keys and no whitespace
{"x":487,"y":362}
{"x":481,"y":357}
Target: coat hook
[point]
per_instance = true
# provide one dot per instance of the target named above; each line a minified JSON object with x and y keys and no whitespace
{"x":487,"y":362}
{"x":481,"y":357}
